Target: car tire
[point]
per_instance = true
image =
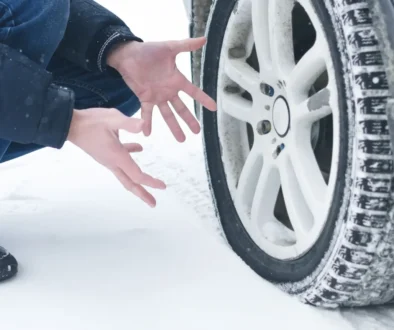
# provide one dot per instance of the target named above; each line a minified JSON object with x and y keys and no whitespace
{"x":352,"y":261}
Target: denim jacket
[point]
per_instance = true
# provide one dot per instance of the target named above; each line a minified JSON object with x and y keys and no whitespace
{"x":32,"y":108}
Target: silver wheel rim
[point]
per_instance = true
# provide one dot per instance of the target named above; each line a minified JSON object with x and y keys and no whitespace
{"x":283,"y":115}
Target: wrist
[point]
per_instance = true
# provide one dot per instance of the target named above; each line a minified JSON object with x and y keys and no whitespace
{"x":75,"y":122}
{"x":120,"y":52}
{"x":102,"y":43}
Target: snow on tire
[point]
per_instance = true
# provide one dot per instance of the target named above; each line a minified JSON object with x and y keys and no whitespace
{"x":351,"y":261}
{"x":365,"y":256}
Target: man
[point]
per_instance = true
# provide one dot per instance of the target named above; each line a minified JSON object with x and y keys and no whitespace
{"x":58,"y":57}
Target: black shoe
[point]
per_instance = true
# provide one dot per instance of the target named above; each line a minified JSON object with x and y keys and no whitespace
{"x":8,"y":265}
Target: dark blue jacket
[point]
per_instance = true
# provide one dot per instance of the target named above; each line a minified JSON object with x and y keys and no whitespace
{"x":40,"y":112}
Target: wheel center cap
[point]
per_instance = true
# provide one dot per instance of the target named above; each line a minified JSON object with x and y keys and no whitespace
{"x":281,"y":116}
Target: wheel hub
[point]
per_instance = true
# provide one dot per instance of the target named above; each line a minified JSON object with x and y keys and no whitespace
{"x":281,"y":116}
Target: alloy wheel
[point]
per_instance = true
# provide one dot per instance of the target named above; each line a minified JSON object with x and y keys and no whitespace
{"x":278,"y":123}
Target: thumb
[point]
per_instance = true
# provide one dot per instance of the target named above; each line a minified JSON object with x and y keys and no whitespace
{"x":121,"y":121}
{"x":187,"y":45}
{"x":132,"y":125}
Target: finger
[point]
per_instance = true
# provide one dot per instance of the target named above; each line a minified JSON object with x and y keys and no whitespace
{"x":136,"y":189}
{"x":198,"y":95}
{"x":171,"y":121}
{"x":133,"y":171}
{"x":121,"y":121}
{"x":132,"y":125}
{"x":187,"y":45}
{"x":152,"y":182}
{"x":146,"y":114}
{"x":186,"y":115}
{"x":133,"y":147}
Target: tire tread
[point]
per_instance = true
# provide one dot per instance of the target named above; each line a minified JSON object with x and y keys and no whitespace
{"x":363,"y":272}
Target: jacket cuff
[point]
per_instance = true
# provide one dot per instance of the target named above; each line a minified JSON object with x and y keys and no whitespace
{"x":103,"y":42}
{"x":56,"y":118}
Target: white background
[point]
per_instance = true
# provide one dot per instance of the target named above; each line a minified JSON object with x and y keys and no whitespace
{"x":94,"y":257}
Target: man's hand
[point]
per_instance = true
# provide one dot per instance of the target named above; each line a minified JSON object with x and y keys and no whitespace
{"x":149,"y":69}
{"x":96,"y":131}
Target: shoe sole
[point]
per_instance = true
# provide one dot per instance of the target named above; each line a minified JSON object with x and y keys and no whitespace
{"x":7,"y":272}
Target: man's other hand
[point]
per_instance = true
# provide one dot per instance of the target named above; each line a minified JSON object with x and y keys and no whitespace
{"x":150,"y":70}
{"x":96,"y":131}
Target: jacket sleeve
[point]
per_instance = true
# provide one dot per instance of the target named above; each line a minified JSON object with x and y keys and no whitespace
{"x":91,"y":32}
{"x":32,"y":108}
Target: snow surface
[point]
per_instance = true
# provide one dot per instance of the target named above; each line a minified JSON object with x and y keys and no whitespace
{"x":94,"y":257}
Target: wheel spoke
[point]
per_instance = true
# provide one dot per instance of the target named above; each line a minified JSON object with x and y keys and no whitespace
{"x":281,"y":36}
{"x":299,"y":214}
{"x":260,"y":19}
{"x":248,"y":180}
{"x":243,"y":74}
{"x":305,"y":73}
{"x":309,"y":176}
{"x":236,"y":106}
{"x":313,"y":109}
{"x":267,"y":191}
{"x":272,"y":26}
{"x":249,"y":44}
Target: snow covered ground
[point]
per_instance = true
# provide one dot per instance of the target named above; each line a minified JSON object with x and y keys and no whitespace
{"x":94,"y":257}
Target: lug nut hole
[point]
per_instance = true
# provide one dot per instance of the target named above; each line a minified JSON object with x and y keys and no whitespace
{"x":264,"y":127}
{"x":267,"y":89}
{"x":237,"y":52}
